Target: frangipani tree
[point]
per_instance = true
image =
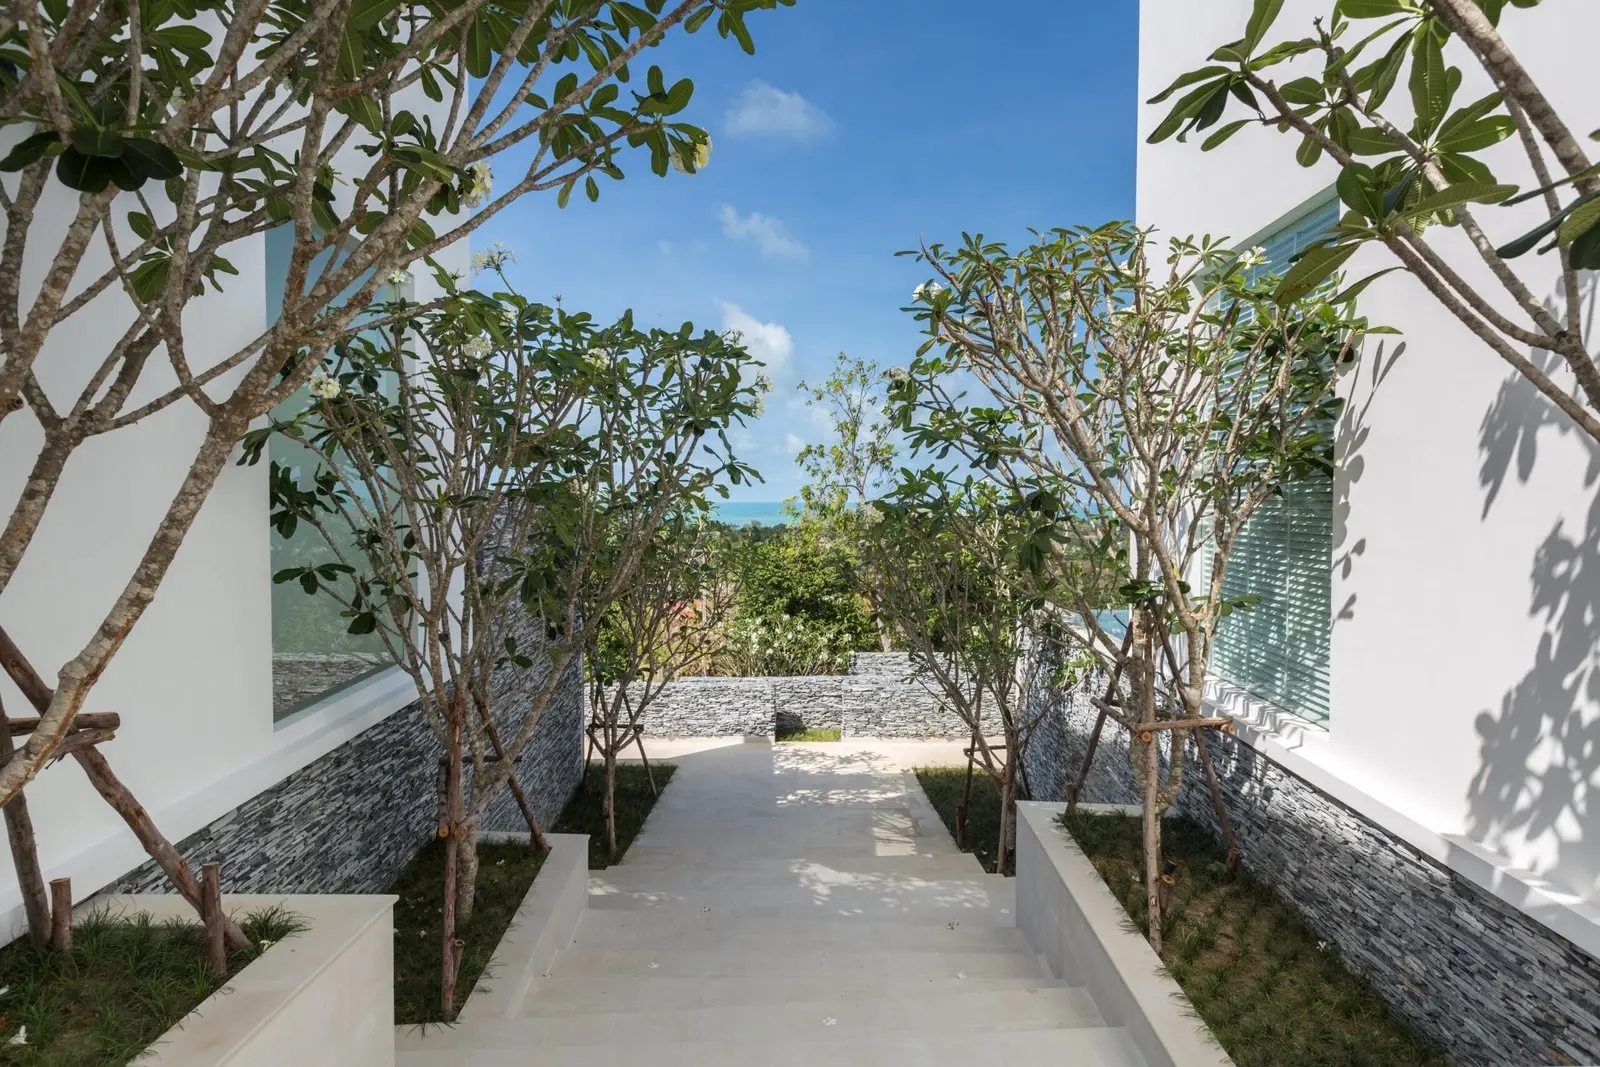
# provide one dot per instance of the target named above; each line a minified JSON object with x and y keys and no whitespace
{"x":1371,"y":87}
{"x":661,"y":624}
{"x":156,"y":137}
{"x":1143,"y":400}
{"x":955,"y":580}
{"x":486,"y":466}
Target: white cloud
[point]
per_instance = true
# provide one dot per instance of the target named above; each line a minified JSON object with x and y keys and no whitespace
{"x":769,"y":234}
{"x":764,"y":109}
{"x":792,"y":444}
{"x":769,"y":342}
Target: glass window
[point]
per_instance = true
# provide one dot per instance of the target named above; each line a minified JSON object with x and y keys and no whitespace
{"x":313,"y":655}
{"x":1279,"y":650}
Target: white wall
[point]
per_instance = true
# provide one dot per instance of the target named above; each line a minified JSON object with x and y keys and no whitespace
{"x":1466,"y":589}
{"x":193,"y":683}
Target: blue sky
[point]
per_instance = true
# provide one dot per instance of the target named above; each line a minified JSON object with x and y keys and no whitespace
{"x":859,"y":128}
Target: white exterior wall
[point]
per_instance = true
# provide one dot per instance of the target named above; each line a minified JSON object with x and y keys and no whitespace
{"x":1465,"y":700}
{"x":193,"y":683}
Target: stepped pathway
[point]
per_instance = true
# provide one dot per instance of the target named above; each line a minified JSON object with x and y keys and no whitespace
{"x":793,"y":904}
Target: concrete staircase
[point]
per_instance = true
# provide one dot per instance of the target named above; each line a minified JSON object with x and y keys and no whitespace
{"x":792,"y":904}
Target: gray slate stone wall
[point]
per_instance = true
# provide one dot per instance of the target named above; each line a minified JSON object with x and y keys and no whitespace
{"x":881,"y":697}
{"x":349,"y":821}
{"x":1489,"y":984}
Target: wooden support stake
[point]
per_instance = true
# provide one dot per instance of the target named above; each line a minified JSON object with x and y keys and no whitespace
{"x":1225,"y":724}
{"x":1075,"y":790}
{"x":215,"y":920}
{"x":109,"y":786}
{"x":160,"y":849}
{"x":534,"y":833}
{"x":25,"y":857}
{"x":87,"y":720}
{"x":61,"y":914}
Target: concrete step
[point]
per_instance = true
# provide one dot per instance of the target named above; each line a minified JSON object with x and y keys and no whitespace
{"x":986,"y":1010}
{"x":820,"y":877}
{"x":923,"y":865}
{"x":1083,"y":1047}
{"x":821,"y":964}
{"x":990,"y":899}
{"x":549,"y":997}
{"x":675,"y":930}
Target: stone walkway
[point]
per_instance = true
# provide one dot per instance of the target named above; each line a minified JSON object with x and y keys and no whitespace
{"x":793,"y":904}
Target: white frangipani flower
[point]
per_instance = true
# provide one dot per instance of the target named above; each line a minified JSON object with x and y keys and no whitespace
{"x":1253,"y":257}
{"x":479,"y":347}
{"x":20,"y":1037}
{"x":898,"y":374}
{"x":322,"y":386}
{"x":702,"y":156}
{"x":482,"y":183}
{"x":494,"y":257}
{"x":399,"y":277}
{"x":926,"y":291}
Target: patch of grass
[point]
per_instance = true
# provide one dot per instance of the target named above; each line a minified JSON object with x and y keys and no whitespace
{"x":505,"y":872}
{"x":126,"y":981}
{"x":1260,"y":979}
{"x":585,"y":812}
{"x":944,"y":785}
{"x":819,"y":733}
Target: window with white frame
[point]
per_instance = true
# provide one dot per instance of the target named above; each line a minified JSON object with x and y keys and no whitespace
{"x":1279,"y":650}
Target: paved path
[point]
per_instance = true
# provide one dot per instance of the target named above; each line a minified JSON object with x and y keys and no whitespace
{"x":793,"y":904}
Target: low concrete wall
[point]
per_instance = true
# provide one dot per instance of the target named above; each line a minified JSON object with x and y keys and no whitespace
{"x":882,"y":696}
{"x":545,"y":923}
{"x":325,"y":995}
{"x":1068,"y":915}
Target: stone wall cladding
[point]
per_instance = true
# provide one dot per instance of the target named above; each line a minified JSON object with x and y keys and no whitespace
{"x":349,"y":821}
{"x":882,"y":697}
{"x":1488,"y":984}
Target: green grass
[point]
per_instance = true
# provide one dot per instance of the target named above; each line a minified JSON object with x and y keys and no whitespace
{"x":943,"y":785}
{"x":505,"y":874}
{"x":1260,"y":979}
{"x":819,"y":733}
{"x":584,"y":814}
{"x":126,"y":981}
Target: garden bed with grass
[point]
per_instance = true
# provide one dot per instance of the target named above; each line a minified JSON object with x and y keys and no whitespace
{"x":1260,"y":979}
{"x":815,"y":733}
{"x":125,"y":982}
{"x":944,"y":786}
{"x":506,"y":871}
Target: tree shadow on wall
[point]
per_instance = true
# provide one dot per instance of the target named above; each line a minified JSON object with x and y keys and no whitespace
{"x":1351,"y":465}
{"x":1540,"y":755}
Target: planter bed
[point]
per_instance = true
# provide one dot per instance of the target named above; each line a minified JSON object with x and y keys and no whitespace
{"x":1269,"y":990}
{"x":127,"y":980}
{"x":943,"y":787}
{"x":507,"y":867}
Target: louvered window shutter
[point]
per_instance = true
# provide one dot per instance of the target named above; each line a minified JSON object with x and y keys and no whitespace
{"x":1279,"y":650}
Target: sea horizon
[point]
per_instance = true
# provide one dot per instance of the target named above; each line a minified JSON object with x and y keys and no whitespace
{"x":746,"y":512}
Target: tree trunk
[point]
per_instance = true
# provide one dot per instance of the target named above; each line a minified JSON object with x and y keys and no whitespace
{"x":447,"y":926}
{"x":25,"y":855}
{"x":611,"y":801}
{"x":1152,"y":842}
{"x":1005,"y":862}
{"x":466,"y":836}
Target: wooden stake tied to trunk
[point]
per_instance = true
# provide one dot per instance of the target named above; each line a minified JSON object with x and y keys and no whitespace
{"x":80,"y":744}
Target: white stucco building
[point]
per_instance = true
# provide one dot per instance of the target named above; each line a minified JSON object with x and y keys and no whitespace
{"x":1432,"y":624}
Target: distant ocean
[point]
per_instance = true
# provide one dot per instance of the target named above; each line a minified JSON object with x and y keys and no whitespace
{"x":745,"y":512}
